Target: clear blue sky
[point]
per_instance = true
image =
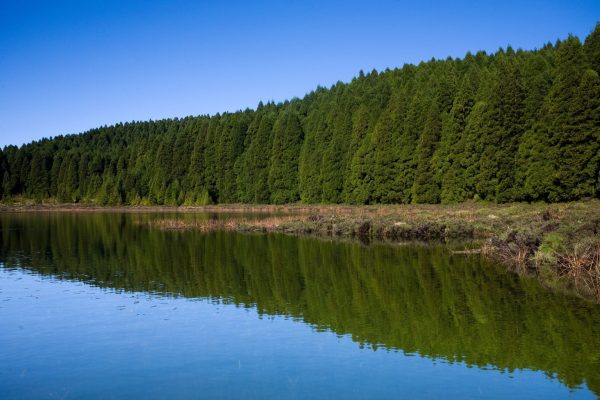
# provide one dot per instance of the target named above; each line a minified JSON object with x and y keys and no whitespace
{"x":67,"y":66}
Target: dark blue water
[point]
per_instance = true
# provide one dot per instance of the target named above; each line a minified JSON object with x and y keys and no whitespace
{"x":85,"y":314}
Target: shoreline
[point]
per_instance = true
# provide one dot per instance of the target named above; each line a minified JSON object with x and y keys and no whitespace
{"x":559,"y":244}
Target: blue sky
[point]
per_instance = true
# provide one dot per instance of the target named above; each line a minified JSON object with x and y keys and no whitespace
{"x":68,"y":66}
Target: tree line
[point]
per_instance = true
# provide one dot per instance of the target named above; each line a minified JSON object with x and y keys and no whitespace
{"x":514,"y":125}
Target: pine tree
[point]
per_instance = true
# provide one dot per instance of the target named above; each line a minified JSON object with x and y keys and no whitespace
{"x":425,"y":188}
{"x":501,"y":135}
{"x":336,"y":154}
{"x":256,"y":160}
{"x":360,"y":127}
{"x":210,"y":156}
{"x":198,"y":190}
{"x":447,"y":158}
{"x":362,"y":179}
{"x":311,"y":158}
{"x":408,"y":142}
{"x":472,"y":148}
{"x":230,"y":146}
{"x":71,"y":180}
{"x":592,"y":48}
{"x":513,"y":125}
{"x":544,"y":172}
{"x":387,"y":134}
{"x":283,"y":172}
{"x":580,"y":141}
{"x":243,"y":166}
{"x":38,"y":176}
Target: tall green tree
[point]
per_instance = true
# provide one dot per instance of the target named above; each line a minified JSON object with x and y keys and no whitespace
{"x":256,"y":160}
{"x":283,"y":172}
{"x":336,"y":154}
{"x":592,"y":48}
{"x":426,"y":189}
{"x":504,"y":125}
{"x":311,"y":158}
{"x":557,"y":155}
{"x":513,"y":125}
{"x":451,"y":149}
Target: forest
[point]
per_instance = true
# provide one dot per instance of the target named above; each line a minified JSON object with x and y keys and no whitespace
{"x":515,"y":125}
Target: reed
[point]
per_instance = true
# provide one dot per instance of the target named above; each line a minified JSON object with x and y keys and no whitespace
{"x":582,"y":267}
{"x":267,"y":224}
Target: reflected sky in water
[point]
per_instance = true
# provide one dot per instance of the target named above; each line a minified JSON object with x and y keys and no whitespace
{"x":103,"y":307}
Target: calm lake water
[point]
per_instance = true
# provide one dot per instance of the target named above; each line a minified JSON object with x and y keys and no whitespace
{"x":104,"y":306}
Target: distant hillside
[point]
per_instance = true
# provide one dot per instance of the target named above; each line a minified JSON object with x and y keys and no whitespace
{"x":510,"y":126}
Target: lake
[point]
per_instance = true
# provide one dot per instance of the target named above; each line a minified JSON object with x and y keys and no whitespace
{"x":104,"y":305}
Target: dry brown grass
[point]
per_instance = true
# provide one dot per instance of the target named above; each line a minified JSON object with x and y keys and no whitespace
{"x":209,"y":225}
{"x":267,"y":224}
{"x":515,"y":256}
{"x":582,"y":267}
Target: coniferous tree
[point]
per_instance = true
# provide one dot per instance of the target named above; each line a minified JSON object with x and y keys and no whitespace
{"x":448,"y":156}
{"x":257,"y":160}
{"x":408,"y":142}
{"x":501,"y":134}
{"x":38,"y":176}
{"x":231,"y":142}
{"x":54,"y":174}
{"x":387,"y":134}
{"x":553,"y":154}
{"x":311,"y":158}
{"x":243,"y":165}
{"x":513,"y":125}
{"x":360,"y":127}
{"x":362,"y":180}
{"x":210,"y":156}
{"x":336,"y":153}
{"x":580,"y":141}
{"x":425,"y":188}
{"x":592,"y":48}
{"x":283,"y":172}
{"x":198,"y":194}
{"x":472,"y":150}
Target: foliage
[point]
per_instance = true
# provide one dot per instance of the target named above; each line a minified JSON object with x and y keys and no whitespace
{"x":509,"y":126}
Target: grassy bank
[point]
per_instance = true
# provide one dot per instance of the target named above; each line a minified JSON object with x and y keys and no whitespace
{"x":558,"y":243}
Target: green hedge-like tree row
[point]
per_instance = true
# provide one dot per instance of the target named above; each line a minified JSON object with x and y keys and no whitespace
{"x":509,"y":126}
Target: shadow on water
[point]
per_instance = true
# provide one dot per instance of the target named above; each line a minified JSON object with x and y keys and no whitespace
{"x":414,"y":299}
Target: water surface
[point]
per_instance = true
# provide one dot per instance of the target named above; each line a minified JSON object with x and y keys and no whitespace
{"x":103,"y":306}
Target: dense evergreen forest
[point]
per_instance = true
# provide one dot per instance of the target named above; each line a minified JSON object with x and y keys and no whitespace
{"x":509,"y":126}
